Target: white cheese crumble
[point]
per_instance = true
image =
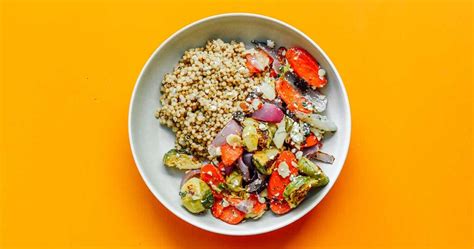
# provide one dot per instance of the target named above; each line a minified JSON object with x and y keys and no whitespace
{"x":299,"y":154}
{"x":296,"y":134}
{"x":225,"y":203}
{"x":321,"y":72}
{"x":214,"y":151}
{"x":268,"y":91}
{"x":256,"y":103}
{"x":270,"y":43}
{"x":262,"y":127}
{"x":283,"y":170}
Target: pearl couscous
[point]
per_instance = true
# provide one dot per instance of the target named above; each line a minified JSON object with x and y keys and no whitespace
{"x":205,"y":88}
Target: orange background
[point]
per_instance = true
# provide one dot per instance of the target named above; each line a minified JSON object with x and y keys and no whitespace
{"x":68,"y":179}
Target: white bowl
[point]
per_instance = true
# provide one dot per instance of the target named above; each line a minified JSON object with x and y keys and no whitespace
{"x":149,"y":140}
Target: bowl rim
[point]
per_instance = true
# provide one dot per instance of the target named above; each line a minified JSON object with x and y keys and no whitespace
{"x":197,"y":223}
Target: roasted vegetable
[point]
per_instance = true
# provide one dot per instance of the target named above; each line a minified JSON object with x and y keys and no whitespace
{"x":173,"y":158}
{"x":306,"y":67}
{"x":230,"y":154}
{"x":310,"y":141}
{"x":293,"y":99}
{"x":196,"y":196}
{"x":258,"y":207}
{"x":258,"y":61}
{"x":312,"y":170}
{"x":279,"y":206}
{"x":263,"y":160}
{"x":297,"y":190}
{"x":232,"y":215}
{"x":257,"y":184}
{"x":234,"y":181}
{"x":317,"y":121}
{"x":279,"y":179}
{"x":213,"y":176}
{"x":250,"y":137}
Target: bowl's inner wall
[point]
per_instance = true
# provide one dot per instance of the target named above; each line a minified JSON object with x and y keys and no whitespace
{"x":150,"y":140}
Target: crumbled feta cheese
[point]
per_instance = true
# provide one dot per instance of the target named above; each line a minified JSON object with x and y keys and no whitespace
{"x":235,"y":183}
{"x":214,"y":151}
{"x":321,"y":72}
{"x":292,"y":177}
{"x":262,"y":127}
{"x":299,"y":154}
{"x":293,"y":150}
{"x":256,"y":104}
{"x":295,"y":134}
{"x":268,"y":91}
{"x":270,"y":43}
{"x":225,"y":203}
{"x":283,"y":170}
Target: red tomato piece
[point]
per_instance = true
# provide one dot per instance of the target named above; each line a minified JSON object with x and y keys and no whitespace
{"x":305,"y":66}
{"x":293,"y":99}
{"x":230,"y":154}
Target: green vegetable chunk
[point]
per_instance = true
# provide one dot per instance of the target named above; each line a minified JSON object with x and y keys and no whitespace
{"x":173,"y":158}
{"x":250,"y":137}
{"x":263,"y":160}
{"x":312,"y":170}
{"x":234,"y":181}
{"x":297,"y":190}
{"x":196,"y":196}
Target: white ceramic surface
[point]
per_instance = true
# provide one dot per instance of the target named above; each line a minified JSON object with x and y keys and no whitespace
{"x":149,"y":140}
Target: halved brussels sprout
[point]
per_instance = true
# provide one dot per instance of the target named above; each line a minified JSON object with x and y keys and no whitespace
{"x":263,"y":160}
{"x":196,"y":196}
{"x":250,"y":137}
{"x":234,"y":181}
{"x":174,"y":158}
{"x":297,"y":190}
{"x":312,"y":170}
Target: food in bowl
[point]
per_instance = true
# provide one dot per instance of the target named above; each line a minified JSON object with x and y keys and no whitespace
{"x":249,"y":126}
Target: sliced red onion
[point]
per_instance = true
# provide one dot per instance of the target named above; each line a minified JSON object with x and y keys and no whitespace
{"x":232,"y":127}
{"x":257,"y":184}
{"x":244,"y":168}
{"x":324,"y":157}
{"x":188,"y":175}
{"x":228,"y":169}
{"x":311,"y":151}
{"x":269,"y":113}
{"x":247,"y":157}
